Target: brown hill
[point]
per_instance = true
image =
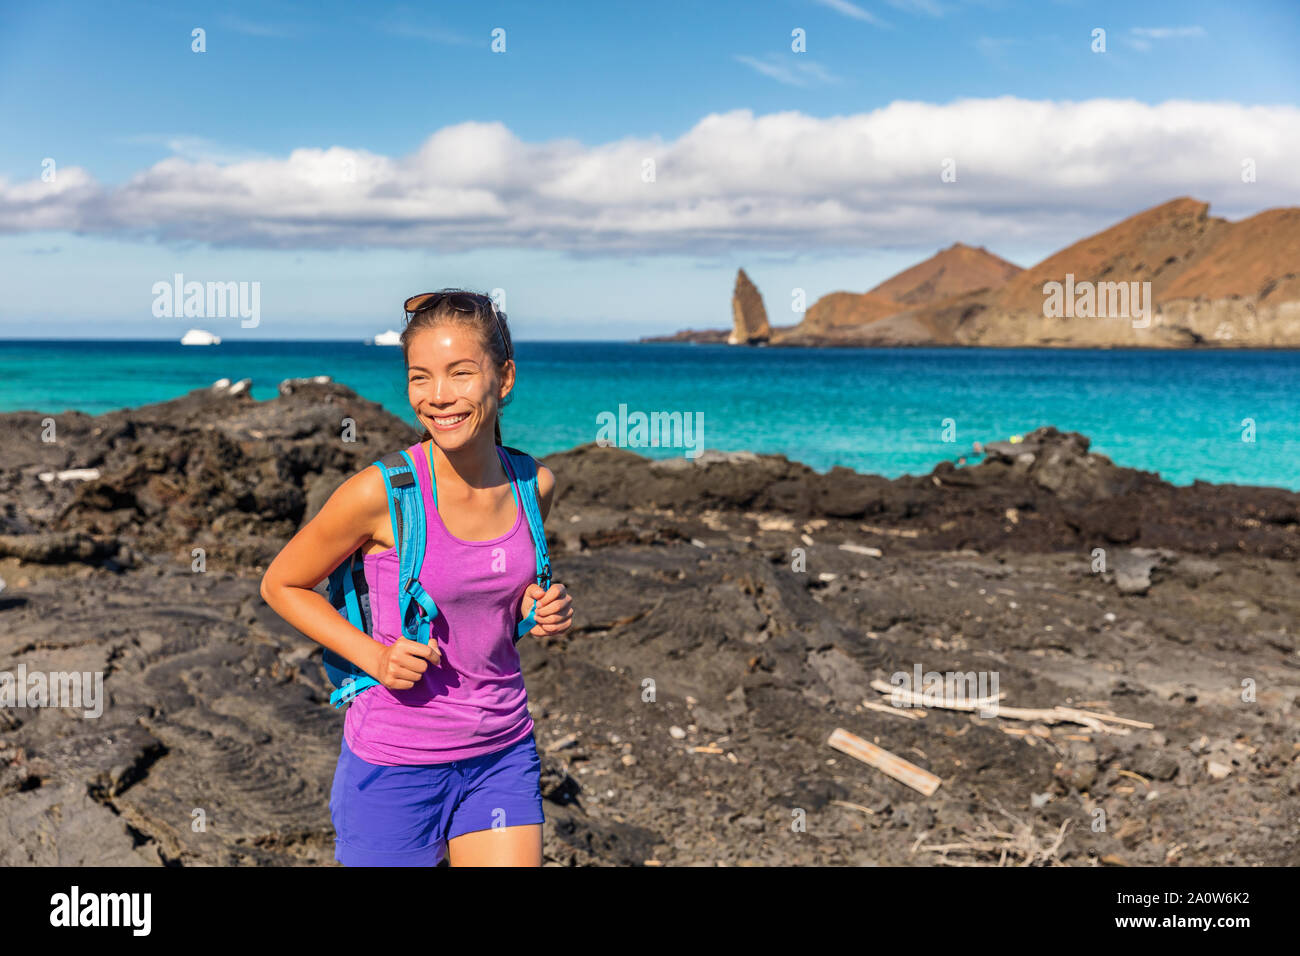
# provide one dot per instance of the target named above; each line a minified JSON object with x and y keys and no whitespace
{"x":1152,"y":246}
{"x":957,"y":270}
{"x":954,"y":271}
{"x":1259,"y":256}
{"x":1211,"y":281}
{"x":845,"y":309}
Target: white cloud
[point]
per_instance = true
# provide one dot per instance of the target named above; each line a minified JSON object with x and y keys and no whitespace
{"x":852,"y":10}
{"x":792,"y":69}
{"x":253,"y":28}
{"x":995,"y":48}
{"x":1140,"y":37}
{"x":1165,"y":33}
{"x":1028,"y":171}
{"x":398,"y":24}
{"x":928,"y":7}
{"x":197,"y":148}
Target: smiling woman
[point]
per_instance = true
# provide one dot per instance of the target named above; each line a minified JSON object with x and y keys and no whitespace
{"x":467,"y":310}
{"x":439,"y":757}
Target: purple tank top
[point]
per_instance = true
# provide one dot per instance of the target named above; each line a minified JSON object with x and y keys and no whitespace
{"x":473,"y":702}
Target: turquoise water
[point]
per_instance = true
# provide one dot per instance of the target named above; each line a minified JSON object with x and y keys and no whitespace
{"x":873,"y":410}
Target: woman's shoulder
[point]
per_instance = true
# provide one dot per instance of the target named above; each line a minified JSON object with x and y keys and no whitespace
{"x":365,"y":489}
{"x":545,"y":480}
{"x":545,"y":477}
{"x":359,"y":503}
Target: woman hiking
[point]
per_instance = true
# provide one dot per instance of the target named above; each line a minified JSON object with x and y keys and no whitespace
{"x":441,"y":751}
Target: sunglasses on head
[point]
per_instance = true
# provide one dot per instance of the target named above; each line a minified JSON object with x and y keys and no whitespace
{"x":460,"y":301}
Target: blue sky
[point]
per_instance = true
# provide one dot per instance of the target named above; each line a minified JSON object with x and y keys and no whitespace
{"x":524,"y":170}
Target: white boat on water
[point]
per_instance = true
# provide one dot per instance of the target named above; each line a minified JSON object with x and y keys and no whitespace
{"x":386,"y":338}
{"x":200,"y":337}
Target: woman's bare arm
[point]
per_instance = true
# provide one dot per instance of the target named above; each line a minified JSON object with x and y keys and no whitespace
{"x":353,"y":513}
{"x":545,"y":488}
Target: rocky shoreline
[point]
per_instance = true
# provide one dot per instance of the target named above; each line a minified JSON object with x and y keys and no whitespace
{"x":757,"y":598}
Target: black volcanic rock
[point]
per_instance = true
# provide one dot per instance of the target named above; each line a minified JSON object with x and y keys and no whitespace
{"x":209,"y":469}
{"x":730,"y":612}
{"x":1065,"y":497}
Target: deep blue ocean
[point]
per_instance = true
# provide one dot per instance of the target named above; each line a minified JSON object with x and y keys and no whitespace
{"x":885,"y":411}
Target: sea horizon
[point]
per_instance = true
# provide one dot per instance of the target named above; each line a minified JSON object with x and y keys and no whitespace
{"x":903,"y":347}
{"x":1188,"y":414}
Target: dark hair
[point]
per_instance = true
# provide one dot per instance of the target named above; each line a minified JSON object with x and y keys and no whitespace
{"x":492,"y":334}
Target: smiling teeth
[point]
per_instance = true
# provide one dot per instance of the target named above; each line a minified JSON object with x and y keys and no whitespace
{"x":451,"y":421}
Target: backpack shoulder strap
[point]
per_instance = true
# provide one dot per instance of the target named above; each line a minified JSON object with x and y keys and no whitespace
{"x":346,"y":586}
{"x":523,"y":471}
{"x":406,"y":510}
{"x":525,"y":487}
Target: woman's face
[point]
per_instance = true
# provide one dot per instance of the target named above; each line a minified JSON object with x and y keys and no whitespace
{"x":452,"y":385}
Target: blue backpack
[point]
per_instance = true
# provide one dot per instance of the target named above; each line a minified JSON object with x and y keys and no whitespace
{"x":350,"y":593}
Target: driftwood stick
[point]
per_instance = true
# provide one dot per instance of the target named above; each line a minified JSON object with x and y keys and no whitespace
{"x":918,"y":699}
{"x":909,"y":713}
{"x":1126,"y":721}
{"x":1054,"y":715}
{"x":852,"y":806}
{"x":887,"y":763}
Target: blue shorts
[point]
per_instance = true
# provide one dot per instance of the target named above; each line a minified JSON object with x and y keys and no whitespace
{"x":403,"y":816}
